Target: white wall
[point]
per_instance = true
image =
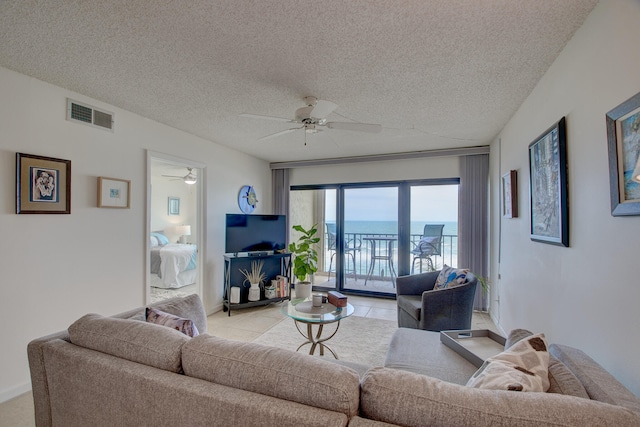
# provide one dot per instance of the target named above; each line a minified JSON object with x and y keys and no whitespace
{"x":56,"y":268}
{"x":586,"y":295}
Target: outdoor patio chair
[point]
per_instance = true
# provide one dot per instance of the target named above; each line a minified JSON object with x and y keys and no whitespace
{"x":430,"y":245}
{"x":351,"y":246}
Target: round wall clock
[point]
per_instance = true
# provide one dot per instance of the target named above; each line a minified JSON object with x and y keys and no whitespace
{"x":247,"y":199}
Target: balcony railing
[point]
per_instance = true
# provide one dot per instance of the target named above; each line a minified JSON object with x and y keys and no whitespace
{"x":363,"y":256}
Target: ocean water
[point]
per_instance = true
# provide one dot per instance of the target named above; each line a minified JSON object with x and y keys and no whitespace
{"x":363,"y":228}
{"x":391,"y":227}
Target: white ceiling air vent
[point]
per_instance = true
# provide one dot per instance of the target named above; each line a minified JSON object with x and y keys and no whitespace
{"x":88,"y":115}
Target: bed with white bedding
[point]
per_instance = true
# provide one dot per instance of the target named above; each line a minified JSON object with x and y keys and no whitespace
{"x":173,"y":265}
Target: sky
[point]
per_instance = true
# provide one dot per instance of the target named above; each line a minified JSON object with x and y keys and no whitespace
{"x":428,"y":203}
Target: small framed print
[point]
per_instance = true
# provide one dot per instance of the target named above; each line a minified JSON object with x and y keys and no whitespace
{"x":510,"y":195}
{"x":114,"y":193}
{"x":43,"y":185}
{"x":174,"y":206}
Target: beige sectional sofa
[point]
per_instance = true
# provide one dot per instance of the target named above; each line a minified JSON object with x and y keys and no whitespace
{"x":119,"y":371}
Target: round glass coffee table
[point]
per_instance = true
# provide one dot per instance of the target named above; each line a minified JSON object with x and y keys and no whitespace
{"x":303,"y":311}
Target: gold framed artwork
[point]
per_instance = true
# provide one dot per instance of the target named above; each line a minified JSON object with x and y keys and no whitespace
{"x":43,"y":185}
{"x":510,"y":195}
{"x":114,"y":193}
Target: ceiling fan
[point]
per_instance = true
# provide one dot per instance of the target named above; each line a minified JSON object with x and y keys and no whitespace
{"x":190,"y":178}
{"x":313,"y":118}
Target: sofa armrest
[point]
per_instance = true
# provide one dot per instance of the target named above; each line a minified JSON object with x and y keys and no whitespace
{"x":416,"y":284}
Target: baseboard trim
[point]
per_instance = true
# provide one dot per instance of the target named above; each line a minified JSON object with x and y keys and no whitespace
{"x":16,"y":391}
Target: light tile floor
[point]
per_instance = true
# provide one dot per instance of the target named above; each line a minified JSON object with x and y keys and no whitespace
{"x":243,"y":325}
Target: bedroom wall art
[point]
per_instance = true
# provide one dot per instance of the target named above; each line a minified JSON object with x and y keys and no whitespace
{"x":548,"y":186}
{"x":623,"y":139}
{"x":114,"y":193}
{"x":43,"y":185}
{"x":174,"y":206}
{"x":510,"y":195}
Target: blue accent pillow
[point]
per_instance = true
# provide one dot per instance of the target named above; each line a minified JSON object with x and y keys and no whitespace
{"x":162,"y":239}
{"x":450,"y":277}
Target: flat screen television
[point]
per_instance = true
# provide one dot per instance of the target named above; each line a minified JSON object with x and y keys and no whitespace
{"x":255,"y":233}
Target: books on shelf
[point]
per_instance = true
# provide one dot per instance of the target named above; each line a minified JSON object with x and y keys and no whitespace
{"x":282,"y":286}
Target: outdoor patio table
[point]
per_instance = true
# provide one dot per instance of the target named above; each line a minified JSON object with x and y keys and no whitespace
{"x":381,"y":248}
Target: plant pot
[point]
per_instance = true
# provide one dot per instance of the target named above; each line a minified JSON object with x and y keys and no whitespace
{"x":303,"y":290}
{"x":254,"y":292}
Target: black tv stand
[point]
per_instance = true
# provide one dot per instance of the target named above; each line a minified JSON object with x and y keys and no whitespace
{"x":273,"y":265}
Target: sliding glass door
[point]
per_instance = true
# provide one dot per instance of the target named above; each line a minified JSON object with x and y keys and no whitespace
{"x":372,"y":232}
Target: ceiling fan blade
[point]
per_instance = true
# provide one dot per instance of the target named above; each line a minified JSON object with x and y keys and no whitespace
{"x":322,"y":109}
{"x":358,"y":127}
{"x":258,"y":116}
{"x":282,"y":132}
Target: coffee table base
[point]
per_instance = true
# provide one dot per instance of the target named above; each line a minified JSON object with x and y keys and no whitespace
{"x":316,"y":340}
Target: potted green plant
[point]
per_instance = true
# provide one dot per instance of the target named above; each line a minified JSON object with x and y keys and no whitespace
{"x":305,"y":262}
{"x":255,"y":277}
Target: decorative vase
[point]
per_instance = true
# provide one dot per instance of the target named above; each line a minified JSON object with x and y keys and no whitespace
{"x":269,"y":292}
{"x":254,"y":292}
{"x":303,"y":290}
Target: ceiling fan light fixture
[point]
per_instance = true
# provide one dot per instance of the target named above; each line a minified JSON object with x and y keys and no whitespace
{"x":190,"y":179}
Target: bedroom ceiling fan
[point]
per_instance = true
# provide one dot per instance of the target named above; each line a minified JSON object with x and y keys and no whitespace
{"x":313,"y":118}
{"x":190,"y":178}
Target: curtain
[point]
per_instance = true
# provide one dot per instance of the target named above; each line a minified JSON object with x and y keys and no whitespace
{"x":473,"y":215}
{"x":280,"y":193}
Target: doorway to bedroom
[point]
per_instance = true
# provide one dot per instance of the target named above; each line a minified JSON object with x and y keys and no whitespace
{"x":174,"y":224}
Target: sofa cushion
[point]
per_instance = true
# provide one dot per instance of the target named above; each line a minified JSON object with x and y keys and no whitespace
{"x":140,"y":342}
{"x":522,"y":367}
{"x":599,"y":384}
{"x":408,"y":399}
{"x":422,"y":352}
{"x":450,"y":277}
{"x":158,"y":317}
{"x":563,"y":381}
{"x":274,"y":372}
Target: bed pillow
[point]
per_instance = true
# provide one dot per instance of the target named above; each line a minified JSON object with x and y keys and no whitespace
{"x":523,"y":367}
{"x":450,"y":277}
{"x":162,"y":239}
{"x":186,"y":326}
{"x":153,"y":241}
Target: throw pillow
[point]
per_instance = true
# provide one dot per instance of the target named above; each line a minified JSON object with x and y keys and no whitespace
{"x":516,"y":335}
{"x":450,"y":277}
{"x":186,"y":326}
{"x":523,"y":367}
{"x":563,"y":381}
{"x":427,"y":245}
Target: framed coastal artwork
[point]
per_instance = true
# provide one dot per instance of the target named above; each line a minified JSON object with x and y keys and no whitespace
{"x":43,"y":185}
{"x":510,"y":195}
{"x":174,"y":206}
{"x":548,"y":186}
{"x":114,"y":193}
{"x":623,"y":138}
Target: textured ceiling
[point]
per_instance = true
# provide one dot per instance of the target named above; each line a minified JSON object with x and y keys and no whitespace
{"x":434,"y":73}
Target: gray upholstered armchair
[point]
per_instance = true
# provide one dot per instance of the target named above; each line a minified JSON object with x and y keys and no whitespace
{"x":421,"y":307}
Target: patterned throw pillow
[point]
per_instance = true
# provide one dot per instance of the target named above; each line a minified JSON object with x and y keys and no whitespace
{"x":450,"y":277}
{"x":523,"y":367}
{"x":158,"y":317}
